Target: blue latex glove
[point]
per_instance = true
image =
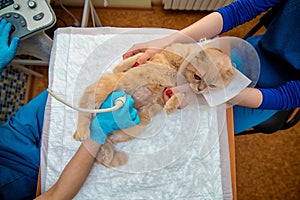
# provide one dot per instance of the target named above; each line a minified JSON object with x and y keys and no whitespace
{"x":7,"y":52}
{"x":105,"y":123}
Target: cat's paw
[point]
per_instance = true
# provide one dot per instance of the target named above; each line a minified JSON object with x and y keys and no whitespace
{"x":173,"y":103}
{"x":81,"y":134}
{"x":169,"y":109}
{"x":108,"y":157}
{"x":105,"y":154}
{"x":119,"y":159}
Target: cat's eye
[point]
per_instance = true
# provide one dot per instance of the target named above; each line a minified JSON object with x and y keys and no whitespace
{"x":212,"y":86}
{"x":197,"y":77}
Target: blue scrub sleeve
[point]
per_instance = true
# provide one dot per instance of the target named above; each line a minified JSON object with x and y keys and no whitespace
{"x":281,"y":98}
{"x":20,"y":142}
{"x":242,"y":11}
{"x":245,"y":118}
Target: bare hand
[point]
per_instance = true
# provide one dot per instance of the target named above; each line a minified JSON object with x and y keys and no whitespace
{"x":148,"y":48}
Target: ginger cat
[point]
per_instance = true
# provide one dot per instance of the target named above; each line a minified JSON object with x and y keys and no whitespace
{"x":204,"y":69}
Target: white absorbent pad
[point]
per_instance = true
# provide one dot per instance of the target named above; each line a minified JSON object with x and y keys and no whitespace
{"x":184,"y":155}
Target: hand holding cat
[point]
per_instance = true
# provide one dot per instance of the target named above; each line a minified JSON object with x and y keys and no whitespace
{"x":105,"y":123}
{"x":7,"y":52}
{"x":148,"y":48}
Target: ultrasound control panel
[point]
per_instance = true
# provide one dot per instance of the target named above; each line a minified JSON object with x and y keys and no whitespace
{"x":27,"y":16}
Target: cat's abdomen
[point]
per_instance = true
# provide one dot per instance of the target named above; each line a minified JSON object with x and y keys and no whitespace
{"x":147,"y":74}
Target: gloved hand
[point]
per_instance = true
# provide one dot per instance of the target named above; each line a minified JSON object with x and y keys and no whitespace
{"x":7,"y":52}
{"x":105,"y":123}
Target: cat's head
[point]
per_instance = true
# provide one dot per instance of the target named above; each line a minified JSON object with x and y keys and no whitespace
{"x":207,"y":70}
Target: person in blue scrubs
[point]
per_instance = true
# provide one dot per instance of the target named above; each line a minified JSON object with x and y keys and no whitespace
{"x":278,"y":86}
{"x":20,"y":140}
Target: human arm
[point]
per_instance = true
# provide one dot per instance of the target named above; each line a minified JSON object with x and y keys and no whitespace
{"x":78,"y":168}
{"x":241,"y":11}
{"x":74,"y":174}
{"x":207,"y":27}
{"x":280,"y":98}
{"x":7,"y":51}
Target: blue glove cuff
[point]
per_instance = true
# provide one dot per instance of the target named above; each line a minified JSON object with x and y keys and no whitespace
{"x":97,"y":133}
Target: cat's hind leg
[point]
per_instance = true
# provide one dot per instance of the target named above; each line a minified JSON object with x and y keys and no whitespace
{"x":92,"y":98}
{"x":127,"y":134}
{"x":109,"y":157}
{"x":83,"y":132}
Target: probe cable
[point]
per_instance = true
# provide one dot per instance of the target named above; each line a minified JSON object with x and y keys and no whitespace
{"x":118,"y":103}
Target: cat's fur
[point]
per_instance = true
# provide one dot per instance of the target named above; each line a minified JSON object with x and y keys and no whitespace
{"x":208,"y":69}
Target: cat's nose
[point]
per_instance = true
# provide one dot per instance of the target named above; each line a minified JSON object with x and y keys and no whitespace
{"x":201,"y":87}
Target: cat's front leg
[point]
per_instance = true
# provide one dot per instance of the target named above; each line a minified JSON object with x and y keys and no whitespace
{"x":127,"y":64}
{"x":92,"y":98}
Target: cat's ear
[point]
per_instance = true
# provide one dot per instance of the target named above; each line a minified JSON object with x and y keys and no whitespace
{"x":198,"y":60}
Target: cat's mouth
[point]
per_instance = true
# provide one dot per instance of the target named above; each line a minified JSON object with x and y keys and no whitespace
{"x":197,"y":88}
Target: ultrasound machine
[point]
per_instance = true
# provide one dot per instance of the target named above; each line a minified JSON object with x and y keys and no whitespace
{"x":27,"y":17}
{"x":29,"y":20}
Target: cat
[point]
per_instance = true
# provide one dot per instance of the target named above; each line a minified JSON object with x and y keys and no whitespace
{"x":204,"y":69}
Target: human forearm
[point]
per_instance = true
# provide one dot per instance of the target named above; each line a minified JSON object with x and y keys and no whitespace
{"x":207,"y":27}
{"x":74,"y":174}
{"x":283,"y":97}
{"x":239,"y":12}
{"x":280,"y":98}
{"x":249,"y":97}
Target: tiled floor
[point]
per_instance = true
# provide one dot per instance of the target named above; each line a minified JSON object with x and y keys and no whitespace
{"x":13,"y":91}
